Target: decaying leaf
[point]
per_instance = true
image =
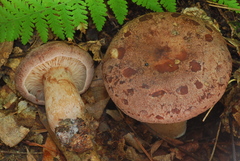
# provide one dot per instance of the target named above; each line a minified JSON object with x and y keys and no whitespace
{"x":167,"y":157}
{"x":114,"y":114}
{"x":13,"y":63}
{"x":94,"y":47}
{"x":11,"y":133}
{"x":30,"y":157}
{"x":96,"y":96}
{"x":155,"y":146}
{"x":235,"y":43}
{"x":7,"y":97}
{"x":188,"y":147}
{"x":26,"y":114}
{"x":5,"y":51}
{"x":232,"y":103}
{"x":50,"y":150}
{"x":200,"y":13}
{"x":131,"y":154}
{"x":130,"y":140}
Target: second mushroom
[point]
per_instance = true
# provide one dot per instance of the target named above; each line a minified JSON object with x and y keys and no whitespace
{"x":54,"y":75}
{"x":165,"y":68}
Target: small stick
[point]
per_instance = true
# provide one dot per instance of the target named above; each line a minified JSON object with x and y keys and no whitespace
{"x":216,"y":140}
{"x":207,"y":114}
{"x":221,"y":6}
{"x":143,"y":149}
{"x":232,"y":138}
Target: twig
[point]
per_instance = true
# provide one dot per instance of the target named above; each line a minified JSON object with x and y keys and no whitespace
{"x":207,"y":114}
{"x":19,"y":152}
{"x":143,"y":149}
{"x":232,"y":139}
{"x":216,"y":140}
{"x":135,"y":138}
{"x":221,"y":6}
{"x":168,"y":140}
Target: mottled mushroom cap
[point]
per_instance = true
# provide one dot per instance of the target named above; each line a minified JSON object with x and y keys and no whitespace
{"x":166,"y":67}
{"x":30,"y":72}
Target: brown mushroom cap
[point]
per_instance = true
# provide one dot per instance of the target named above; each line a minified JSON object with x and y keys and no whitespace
{"x":53,"y":54}
{"x":166,"y":67}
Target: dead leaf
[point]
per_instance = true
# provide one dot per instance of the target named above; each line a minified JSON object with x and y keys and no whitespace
{"x":10,"y":133}
{"x":167,"y":157}
{"x":155,"y":146}
{"x":129,"y":138}
{"x":131,"y":154}
{"x":5,"y":50}
{"x":7,"y":97}
{"x":96,"y":97}
{"x":50,"y":150}
{"x":26,"y":114}
{"x":114,"y":114}
{"x":30,"y":157}
{"x":94,"y":47}
{"x":189,"y":147}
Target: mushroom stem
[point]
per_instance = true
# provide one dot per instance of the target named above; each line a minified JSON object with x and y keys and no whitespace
{"x":174,"y":130}
{"x":62,"y":99}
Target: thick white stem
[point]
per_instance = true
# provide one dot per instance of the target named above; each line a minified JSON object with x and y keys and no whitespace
{"x":174,"y":130}
{"x":62,"y":100}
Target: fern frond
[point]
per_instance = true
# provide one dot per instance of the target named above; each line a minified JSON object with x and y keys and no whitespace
{"x":149,"y":4}
{"x":79,"y":12}
{"x":56,"y":24}
{"x":26,"y":29}
{"x":3,"y":31}
{"x":41,"y":25}
{"x":169,"y":5}
{"x":229,"y":3}
{"x":65,"y":16}
{"x":119,"y":8}
{"x":98,"y":12}
{"x":18,"y":18}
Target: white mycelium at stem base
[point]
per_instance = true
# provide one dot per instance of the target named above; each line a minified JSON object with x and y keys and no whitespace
{"x":62,"y":100}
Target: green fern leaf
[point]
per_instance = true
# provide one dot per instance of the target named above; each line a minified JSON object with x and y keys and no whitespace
{"x":41,"y":26}
{"x":149,"y":4}
{"x":66,"y":20}
{"x":55,"y":24}
{"x":3,"y":26}
{"x":229,"y":3}
{"x":9,"y":29}
{"x":98,"y":12}
{"x":169,"y":5}
{"x":18,"y":18}
{"x":27,"y":29}
{"x":3,"y":31}
{"x":119,"y":8}
{"x":13,"y":30}
{"x":79,"y":12}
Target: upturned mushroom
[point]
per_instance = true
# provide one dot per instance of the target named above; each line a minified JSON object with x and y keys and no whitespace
{"x":166,"y":68}
{"x":54,"y":75}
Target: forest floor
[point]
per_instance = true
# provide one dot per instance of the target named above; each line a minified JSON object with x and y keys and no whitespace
{"x":120,"y":137}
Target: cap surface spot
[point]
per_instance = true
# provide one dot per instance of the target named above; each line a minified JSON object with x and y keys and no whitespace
{"x":208,"y":38}
{"x":129,"y":72}
{"x":195,"y":66}
{"x":182,"y":90}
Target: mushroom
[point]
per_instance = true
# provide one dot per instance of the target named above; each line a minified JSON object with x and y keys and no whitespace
{"x":166,"y":68}
{"x":54,"y":75}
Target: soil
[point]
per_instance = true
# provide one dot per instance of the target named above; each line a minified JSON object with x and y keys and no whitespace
{"x":216,"y":138}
